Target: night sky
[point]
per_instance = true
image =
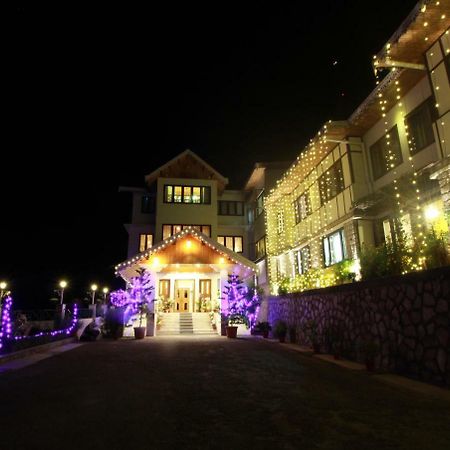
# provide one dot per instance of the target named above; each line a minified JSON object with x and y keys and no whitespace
{"x":98,"y":97}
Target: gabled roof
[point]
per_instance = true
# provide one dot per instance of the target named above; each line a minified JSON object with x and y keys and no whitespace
{"x":188,"y":231}
{"x":187,"y":165}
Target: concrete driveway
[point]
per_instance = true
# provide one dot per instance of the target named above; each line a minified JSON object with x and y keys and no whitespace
{"x":209,"y":393}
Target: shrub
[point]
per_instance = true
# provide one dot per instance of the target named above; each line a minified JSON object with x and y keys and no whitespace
{"x":436,"y":251}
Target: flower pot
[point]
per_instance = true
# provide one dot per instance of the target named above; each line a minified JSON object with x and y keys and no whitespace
{"x":265,"y":334}
{"x":370,"y":365}
{"x":232,"y":332}
{"x":117,"y":332}
{"x":139,"y":332}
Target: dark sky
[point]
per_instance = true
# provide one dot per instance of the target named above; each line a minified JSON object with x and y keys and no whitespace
{"x":98,"y":97}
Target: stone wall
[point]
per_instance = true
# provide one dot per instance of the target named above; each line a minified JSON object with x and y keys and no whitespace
{"x":408,"y":317}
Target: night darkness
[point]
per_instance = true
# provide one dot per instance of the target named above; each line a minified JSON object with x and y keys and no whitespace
{"x":97,"y":98}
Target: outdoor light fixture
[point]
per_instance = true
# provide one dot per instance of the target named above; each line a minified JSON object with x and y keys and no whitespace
{"x":3,"y":286}
{"x":431,"y":213}
{"x":62,"y":285}
{"x":93,"y":289}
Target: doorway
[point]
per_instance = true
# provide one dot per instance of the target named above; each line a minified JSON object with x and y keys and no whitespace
{"x":184,"y":293}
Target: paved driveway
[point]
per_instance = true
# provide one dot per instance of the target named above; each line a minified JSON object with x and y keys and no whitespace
{"x":195,"y":393}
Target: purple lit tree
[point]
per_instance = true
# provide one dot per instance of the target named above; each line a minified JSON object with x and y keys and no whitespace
{"x":243,"y":302}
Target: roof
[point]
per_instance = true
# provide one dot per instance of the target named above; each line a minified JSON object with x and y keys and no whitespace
{"x":404,"y":54}
{"x":187,"y":165}
{"x":259,"y":169}
{"x":424,"y":25}
{"x":326,"y":139}
{"x":191,"y":231}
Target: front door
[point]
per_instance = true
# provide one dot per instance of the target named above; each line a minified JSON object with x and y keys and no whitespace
{"x":182,"y":300}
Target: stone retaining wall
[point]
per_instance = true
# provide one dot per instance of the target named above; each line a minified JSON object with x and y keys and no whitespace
{"x":408,"y":317}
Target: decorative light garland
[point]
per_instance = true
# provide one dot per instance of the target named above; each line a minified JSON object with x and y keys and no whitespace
{"x":6,"y":325}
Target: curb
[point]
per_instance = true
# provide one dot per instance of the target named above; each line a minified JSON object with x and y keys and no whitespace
{"x":392,"y":379}
{"x":36,"y":349}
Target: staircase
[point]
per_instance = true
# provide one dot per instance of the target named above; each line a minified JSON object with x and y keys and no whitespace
{"x":173,"y":324}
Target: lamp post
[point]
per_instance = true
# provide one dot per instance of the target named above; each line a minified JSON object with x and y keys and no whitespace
{"x":3,"y":286}
{"x":94,"y":288}
{"x":105,"y":291}
{"x":62,"y":285}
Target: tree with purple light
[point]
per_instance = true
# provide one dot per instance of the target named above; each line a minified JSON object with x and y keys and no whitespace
{"x":243,"y":302}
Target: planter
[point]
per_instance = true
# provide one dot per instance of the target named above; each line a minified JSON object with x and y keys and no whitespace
{"x":232,"y":332}
{"x":139,"y":332}
{"x":266,"y":334}
{"x":117,"y":332}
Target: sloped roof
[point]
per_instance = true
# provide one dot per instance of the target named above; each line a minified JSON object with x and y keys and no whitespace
{"x":188,"y":231}
{"x":187,"y":165}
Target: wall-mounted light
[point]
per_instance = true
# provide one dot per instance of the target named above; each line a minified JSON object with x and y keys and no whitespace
{"x":431,"y":213}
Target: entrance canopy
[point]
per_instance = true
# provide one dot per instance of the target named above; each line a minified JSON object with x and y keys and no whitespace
{"x":184,"y":251}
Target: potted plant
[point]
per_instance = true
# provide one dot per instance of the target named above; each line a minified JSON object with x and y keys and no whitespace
{"x":292,"y":334}
{"x":264,"y":328}
{"x":232,"y":326}
{"x":281,"y":330}
{"x":140,"y":331}
{"x":313,"y":335}
{"x":370,"y":350}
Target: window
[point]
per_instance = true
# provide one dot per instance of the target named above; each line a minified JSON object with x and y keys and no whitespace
{"x":303,"y":262}
{"x":187,"y":194}
{"x":164,"y":288}
{"x":231,"y":208}
{"x":386,"y":153}
{"x":334,"y":248}
{"x":331,"y":183}
{"x":259,"y":204}
{"x":302,"y":207}
{"x":148,"y":204}
{"x":420,"y":128}
{"x":280,"y":222}
{"x":233,"y":243}
{"x":145,"y":242}
{"x":170,"y":230}
{"x":260,"y":248}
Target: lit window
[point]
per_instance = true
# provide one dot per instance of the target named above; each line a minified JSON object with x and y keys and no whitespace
{"x":238,"y":244}
{"x":167,"y":231}
{"x":168,"y":194}
{"x":187,"y":194}
{"x":145,"y":241}
{"x":303,"y":262}
{"x":233,"y":243}
{"x":196,"y":194}
{"x":206,"y":229}
{"x":334,"y":248}
{"x":178,"y":194}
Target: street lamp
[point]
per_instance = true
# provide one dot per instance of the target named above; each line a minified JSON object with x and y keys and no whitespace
{"x":62,"y":285}
{"x":105,"y":293}
{"x":93,"y":289}
{"x":3,"y":286}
